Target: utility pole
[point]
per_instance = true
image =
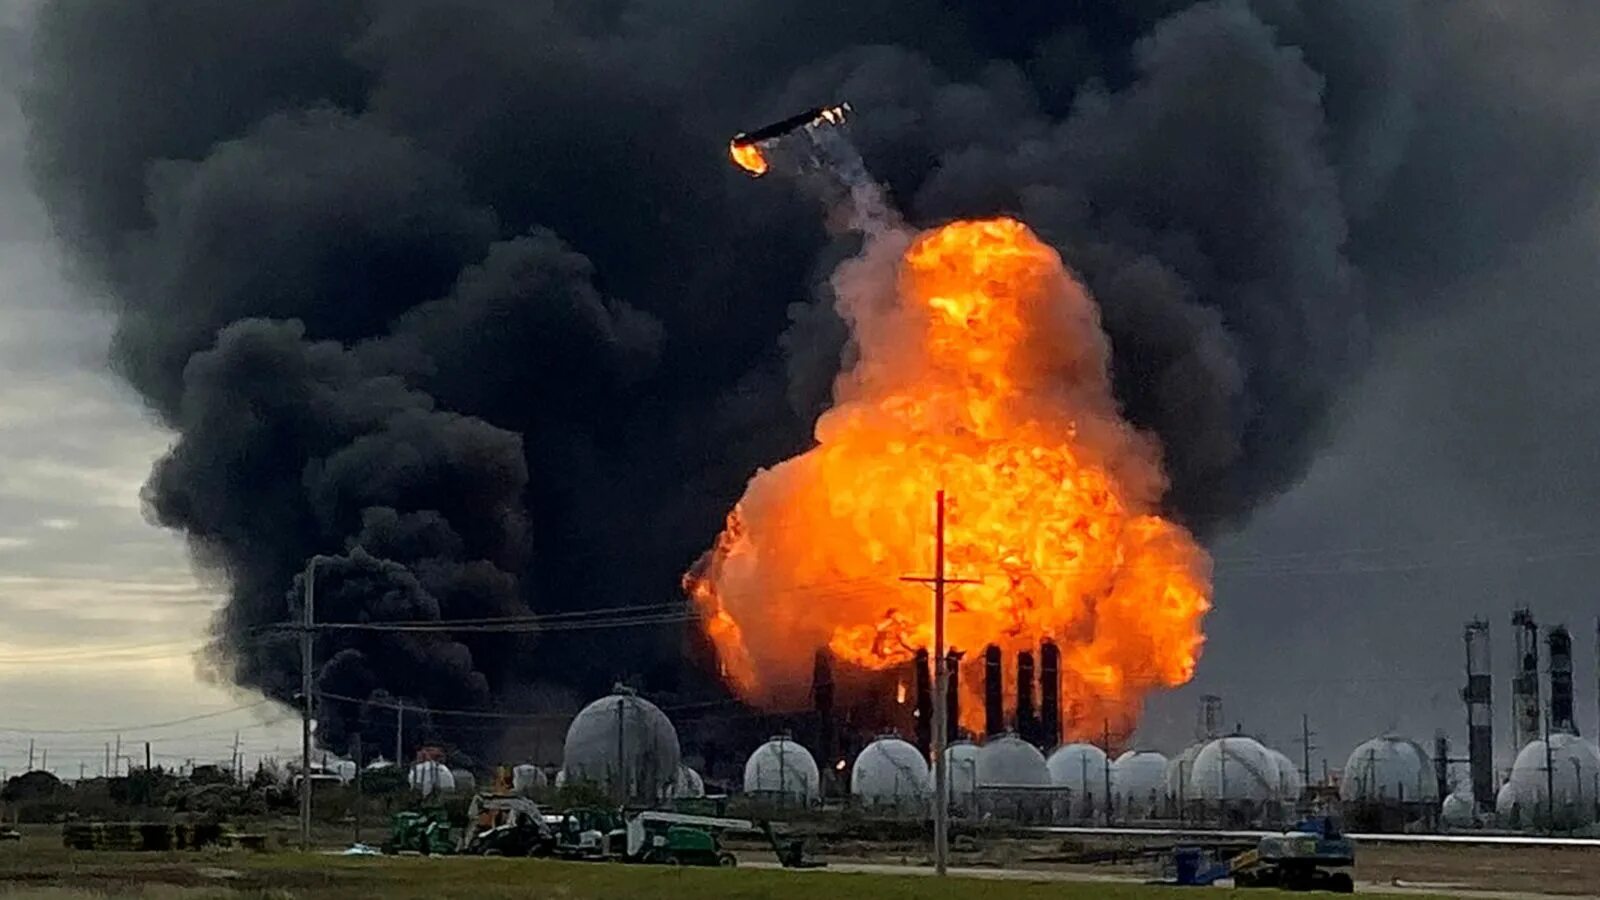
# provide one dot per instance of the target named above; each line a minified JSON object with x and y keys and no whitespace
{"x":44,"y":762}
{"x":399,"y":730}
{"x":116,"y":758}
{"x":106,"y":772}
{"x":1106,"y":725}
{"x":1305,"y":750}
{"x":30,"y":754}
{"x":941,"y":683}
{"x":238,"y":763}
{"x":305,"y":708}
{"x":357,"y":753}
{"x":147,"y":766}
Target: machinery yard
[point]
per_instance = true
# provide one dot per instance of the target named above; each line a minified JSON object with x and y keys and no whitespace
{"x":1031,"y":865}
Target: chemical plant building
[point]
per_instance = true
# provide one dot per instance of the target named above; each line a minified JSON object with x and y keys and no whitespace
{"x":628,"y":748}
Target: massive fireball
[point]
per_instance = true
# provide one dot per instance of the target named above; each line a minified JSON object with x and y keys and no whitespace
{"x":978,"y":366}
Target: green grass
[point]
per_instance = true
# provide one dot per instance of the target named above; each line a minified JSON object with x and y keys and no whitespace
{"x":293,"y":875}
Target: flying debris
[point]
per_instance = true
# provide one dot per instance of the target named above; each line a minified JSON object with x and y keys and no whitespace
{"x":750,"y":149}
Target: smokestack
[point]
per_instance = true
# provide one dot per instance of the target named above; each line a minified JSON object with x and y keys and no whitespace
{"x":1525,"y":686}
{"x":924,"y":709}
{"x":1561,"y":681}
{"x":1209,"y":727}
{"x":822,"y":704}
{"x":952,"y":696}
{"x":1049,"y":694}
{"x":1027,"y":723}
{"x":1479,"y":697}
{"x":994,"y":713}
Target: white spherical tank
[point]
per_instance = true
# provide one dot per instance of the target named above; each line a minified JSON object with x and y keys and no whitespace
{"x":1389,"y":769}
{"x":961,"y":760}
{"x":1457,"y":810}
{"x":623,"y":739}
{"x":890,"y":772}
{"x":1080,"y":768}
{"x":1571,"y":767}
{"x":527,"y":778}
{"x":783,"y":768}
{"x":1290,"y":782}
{"x":1234,"y":769}
{"x":1010,"y":761}
{"x":1179,"y":776}
{"x":429,"y":778}
{"x":344,"y":770}
{"x":687,"y":786}
{"x":561,"y":779}
{"x":1138,"y":778}
{"x":1505,"y":805}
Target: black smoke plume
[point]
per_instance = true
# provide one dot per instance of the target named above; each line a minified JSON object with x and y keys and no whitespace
{"x":464,"y":296}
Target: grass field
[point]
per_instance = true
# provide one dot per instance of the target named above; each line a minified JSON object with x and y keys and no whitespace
{"x":294,"y":875}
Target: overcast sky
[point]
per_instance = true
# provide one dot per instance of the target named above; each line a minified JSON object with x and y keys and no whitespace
{"x":100,"y":613}
{"x":1458,"y":483}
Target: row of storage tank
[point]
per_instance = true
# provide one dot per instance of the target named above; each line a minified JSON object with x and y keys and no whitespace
{"x":626,"y":736}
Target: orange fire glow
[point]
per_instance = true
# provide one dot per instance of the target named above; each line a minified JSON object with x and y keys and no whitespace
{"x":979,"y":367}
{"x":748,"y":157}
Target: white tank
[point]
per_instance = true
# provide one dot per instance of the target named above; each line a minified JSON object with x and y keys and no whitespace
{"x":429,"y":778}
{"x":1179,"y":776}
{"x":1506,"y":807}
{"x":465,"y":781}
{"x":344,"y":770}
{"x":1010,"y":761}
{"x":1138,"y":778}
{"x":687,"y":786}
{"x":1457,"y":810}
{"x":527,"y":778}
{"x":561,"y":779}
{"x":1234,"y":769}
{"x":783,"y":768}
{"x":890,"y":772}
{"x":1080,"y":768}
{"x":624,"y":739}
{"x":1290,"y":780}
{"x":961,"y":761}
{"x":1389,"y":769}
{"x":1573,"y":772}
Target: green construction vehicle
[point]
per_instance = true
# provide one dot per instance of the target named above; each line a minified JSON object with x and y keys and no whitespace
{"x":678,"y":839}
{"x":589,"y":832}
{"x":419,"y":831}
{"x":506,"y":825}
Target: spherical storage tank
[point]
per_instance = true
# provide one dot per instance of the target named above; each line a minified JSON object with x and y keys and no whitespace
{"x":429,"y":777}
{"x":1137,"y":780}
{"x":527,"y":778}
{"x":890,"y":772}
{"x":1010,"y":761}
{"x":344,"y":770}
{"x":624,"y":739}
{"x":1290,"y":782}
{"x":1180,"y":774}
{"x":961,"y":760}
{"x":1232,"y":770}
{"x":688,"y":785}
{"x":1389,"y":769}
{"x":1457,"y":810}
{"x":1573,"y":773}
{"x":782,"y":768}
{"x":1080,"y":768}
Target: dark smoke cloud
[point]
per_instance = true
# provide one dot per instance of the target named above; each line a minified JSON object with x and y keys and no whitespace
{"x":465,"y":296}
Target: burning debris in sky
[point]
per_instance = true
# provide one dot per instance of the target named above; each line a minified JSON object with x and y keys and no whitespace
{"x":981,"y":369}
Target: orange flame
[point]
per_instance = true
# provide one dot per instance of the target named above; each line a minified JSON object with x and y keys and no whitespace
{"x":748,"y":157}
{"x":980,"y":368}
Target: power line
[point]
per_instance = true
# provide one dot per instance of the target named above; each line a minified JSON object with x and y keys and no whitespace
{"x":148,"y":726}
